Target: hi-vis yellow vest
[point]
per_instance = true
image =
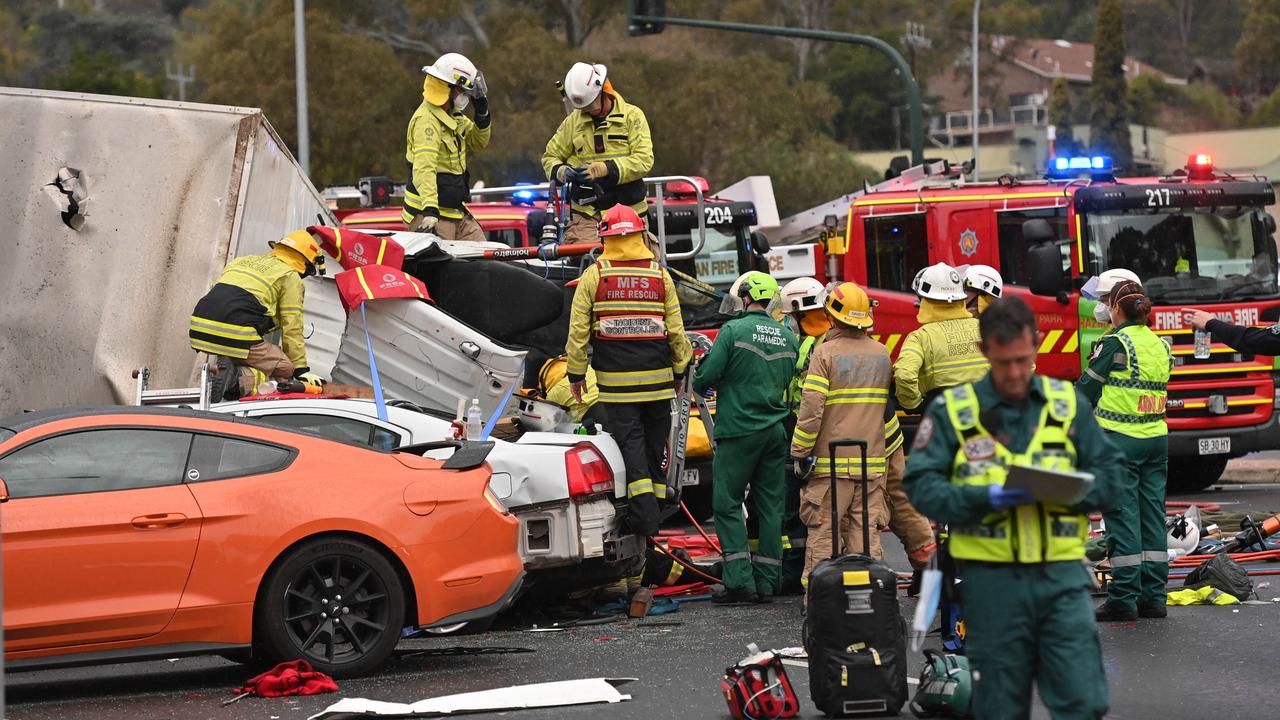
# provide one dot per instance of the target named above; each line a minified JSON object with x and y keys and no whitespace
{"x":1133,"y":400}
{"x":1035,"y":533}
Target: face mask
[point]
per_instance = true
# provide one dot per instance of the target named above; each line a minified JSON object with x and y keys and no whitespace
{"x":460,"y":102}
{"x":1102,"y":313}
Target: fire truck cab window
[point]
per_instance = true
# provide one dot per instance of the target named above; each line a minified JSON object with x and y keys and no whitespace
{"x":1013,"y":247}
{"x":897,"y":248}
{"x":508,"y":237}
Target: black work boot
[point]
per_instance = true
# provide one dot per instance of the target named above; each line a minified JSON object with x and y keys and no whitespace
{"x":917,"y":576}
{"x":1152,"y":610}
{"x":734,"y":596}
{"x":1111,"y":612}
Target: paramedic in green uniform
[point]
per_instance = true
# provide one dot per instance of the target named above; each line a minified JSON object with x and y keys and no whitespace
{"x":1126,"y":381}
{"x":1024,"y":590}
{"x":750,"y":366}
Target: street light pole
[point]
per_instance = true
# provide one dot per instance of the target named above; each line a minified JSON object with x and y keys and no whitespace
{"x":300,"y":79}
{"x":977,"y":5}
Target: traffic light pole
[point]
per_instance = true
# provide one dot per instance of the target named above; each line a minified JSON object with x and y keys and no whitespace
{"x":913,"y":91}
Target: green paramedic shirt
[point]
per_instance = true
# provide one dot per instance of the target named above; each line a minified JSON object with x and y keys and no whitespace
{"x":751,"y":366}
{"x":928,"y":476}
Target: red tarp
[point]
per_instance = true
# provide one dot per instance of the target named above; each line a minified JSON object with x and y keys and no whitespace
{"x":377,"y":282}
{"x":353,"y":249}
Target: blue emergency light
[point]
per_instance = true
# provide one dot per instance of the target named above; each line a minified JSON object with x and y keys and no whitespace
{"x":1075,"y":164}
{"x":525,"y":194}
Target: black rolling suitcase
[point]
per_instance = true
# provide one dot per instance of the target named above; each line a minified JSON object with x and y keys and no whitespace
{"x":854,"y":631}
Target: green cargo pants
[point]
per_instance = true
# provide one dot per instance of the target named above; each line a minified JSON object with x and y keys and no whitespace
{"x":1136,"y":540}
{"x":1032,"y":623}
{"x":795,"y":534}
{"x":757,"y":461}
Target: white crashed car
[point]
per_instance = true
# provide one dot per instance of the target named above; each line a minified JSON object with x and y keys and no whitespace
{"x":567,"y":490}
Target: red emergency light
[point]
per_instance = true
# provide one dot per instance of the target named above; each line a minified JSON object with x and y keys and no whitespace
{"x":680,"y":188}
{"x":1200,"y":166}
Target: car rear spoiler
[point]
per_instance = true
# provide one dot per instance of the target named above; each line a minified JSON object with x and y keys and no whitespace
{"x":468,"y":454}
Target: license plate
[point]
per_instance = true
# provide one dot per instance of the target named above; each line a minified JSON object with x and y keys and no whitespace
{"x":689,"y":477}
{"x":1215,"y":446}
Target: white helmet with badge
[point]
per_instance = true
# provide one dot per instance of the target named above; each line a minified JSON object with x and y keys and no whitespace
{"x":940,"y":282}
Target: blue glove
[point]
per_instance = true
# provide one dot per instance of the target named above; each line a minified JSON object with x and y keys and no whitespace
{"x":1003,"y":498}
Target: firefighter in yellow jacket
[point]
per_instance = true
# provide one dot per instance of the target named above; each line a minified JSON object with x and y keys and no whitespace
{"x":845,"y":392}
{"x":437,"y":143}
{"x":255,"y":296}
{"x":943,"y":351}
{"x":625,"y":308}
{"x":604,"y":140}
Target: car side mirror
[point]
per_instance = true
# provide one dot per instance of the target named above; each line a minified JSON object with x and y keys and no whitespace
{"x":4,"y":492}
{"x":760,"y":243}
{"x":1044,"y":263}
{"x":1037,"y":230}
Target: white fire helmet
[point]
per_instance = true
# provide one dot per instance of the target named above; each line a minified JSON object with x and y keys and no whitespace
{"x":802,"y":294}
{"x":940,"y":282}
{"x":984,"y":279}
{"x":584,"y":83}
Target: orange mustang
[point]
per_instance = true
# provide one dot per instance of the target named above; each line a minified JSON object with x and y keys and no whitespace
{"x":135,"y":533}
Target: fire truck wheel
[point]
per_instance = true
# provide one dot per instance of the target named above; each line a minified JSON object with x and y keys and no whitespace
{"x":1194,"y":474}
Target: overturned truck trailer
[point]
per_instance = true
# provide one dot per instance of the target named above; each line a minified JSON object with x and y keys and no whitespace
{"x":119,"y":213}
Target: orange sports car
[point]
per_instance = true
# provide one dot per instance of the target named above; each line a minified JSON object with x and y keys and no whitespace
{"x":135,"y":533}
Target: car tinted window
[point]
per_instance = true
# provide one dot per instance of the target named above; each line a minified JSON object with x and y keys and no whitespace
{"x":352,"y":432}
{"x":218,"y":458}
{"x":96,"y":461}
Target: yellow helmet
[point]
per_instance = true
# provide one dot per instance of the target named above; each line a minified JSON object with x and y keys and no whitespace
{"x":301,"y":242}
{"x":552,"y":372}
{"x":850,"y":305}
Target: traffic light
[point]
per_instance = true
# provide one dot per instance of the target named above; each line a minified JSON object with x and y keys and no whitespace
{"x":645,"y":8}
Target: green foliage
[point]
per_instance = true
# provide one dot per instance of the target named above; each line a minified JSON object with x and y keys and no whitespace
{"x":104,"y":74}
{"x":1060,"y":116}
{"x":1267,"y":113}
{"x":1181,"y":108}
{"x":1259,"y":46}
{"x":1108,"y":99}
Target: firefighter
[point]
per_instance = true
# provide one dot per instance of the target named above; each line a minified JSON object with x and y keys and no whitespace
{"x":625,"y":308}
{"x":846,"y":389}
{"x":943,"y":351}
{"x":750,"y":366}
{"x":257,"y":295}
{"x":1024,"y":588}
{"x":603,"y":141}
{"x":1126,"y":382}
{"x":1241,"y":338}
{"x":439,"y":139}
{"x":982,"y":285}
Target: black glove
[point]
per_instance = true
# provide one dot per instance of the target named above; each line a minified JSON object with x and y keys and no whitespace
{"x":299,"y":372}
{"x":482,"y":105}
{"x":802,"y":466}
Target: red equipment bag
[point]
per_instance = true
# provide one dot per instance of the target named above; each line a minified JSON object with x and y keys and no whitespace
{"x":295,"y":677}
{"x":757,"y":688}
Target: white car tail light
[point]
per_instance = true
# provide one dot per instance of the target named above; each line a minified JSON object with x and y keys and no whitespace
{"x":587,"y":471}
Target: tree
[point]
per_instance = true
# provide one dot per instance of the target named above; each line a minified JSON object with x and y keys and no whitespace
{"x":1060,"y":117}
{"x":1267,"y":113}
{"x":103,"y":73}
{"x":1108,"y":98}
{"x":1259,"y":46}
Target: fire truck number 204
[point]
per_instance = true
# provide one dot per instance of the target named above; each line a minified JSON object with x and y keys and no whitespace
{"x":718,"y":215}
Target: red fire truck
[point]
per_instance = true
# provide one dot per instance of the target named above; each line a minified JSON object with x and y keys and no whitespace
{"x":1197,"y":237}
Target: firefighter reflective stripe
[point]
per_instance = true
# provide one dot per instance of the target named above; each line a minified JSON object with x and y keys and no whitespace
{"x":1126,"y":560}
{"x":637,"y":377}
{"x":762,"y":560}
{"x":634,"y":396}
{"x":949,"y":365}
{"x":244,"y":274}
{"x":1041,"y":532}
{"x":816,"y":383}
{"x":674,"y":574}
{"x":848,"y":396}
{"x":737,"y":556}
{"x":609,"y":269}
{"x":892,"y":435}
{"x":767,"y":357}
{"x":226,"y":330}
{"x":230,"y":351}
{"x":849,"y":465}
{"x":786,"y":542}
{"x":1157,"y":556}
{"x":1135,"y":394}
{"x":637,"y":488}
{"x":804,"y":439}
{"x":753,"y":544}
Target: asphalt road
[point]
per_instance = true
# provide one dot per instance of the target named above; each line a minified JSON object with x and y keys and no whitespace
{"x":1200,"y":662}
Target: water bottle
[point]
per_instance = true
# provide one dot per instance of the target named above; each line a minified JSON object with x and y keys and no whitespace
{"x":1202,"y":344}
{"x":474,"y":414}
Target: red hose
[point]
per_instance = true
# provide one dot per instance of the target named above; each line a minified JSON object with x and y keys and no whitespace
{"x":701,"y":532}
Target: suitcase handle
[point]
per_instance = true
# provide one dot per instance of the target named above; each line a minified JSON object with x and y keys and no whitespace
{"x":836,"y":535}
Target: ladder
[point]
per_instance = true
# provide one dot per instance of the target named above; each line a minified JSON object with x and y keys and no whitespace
{"x":198,"y":396}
